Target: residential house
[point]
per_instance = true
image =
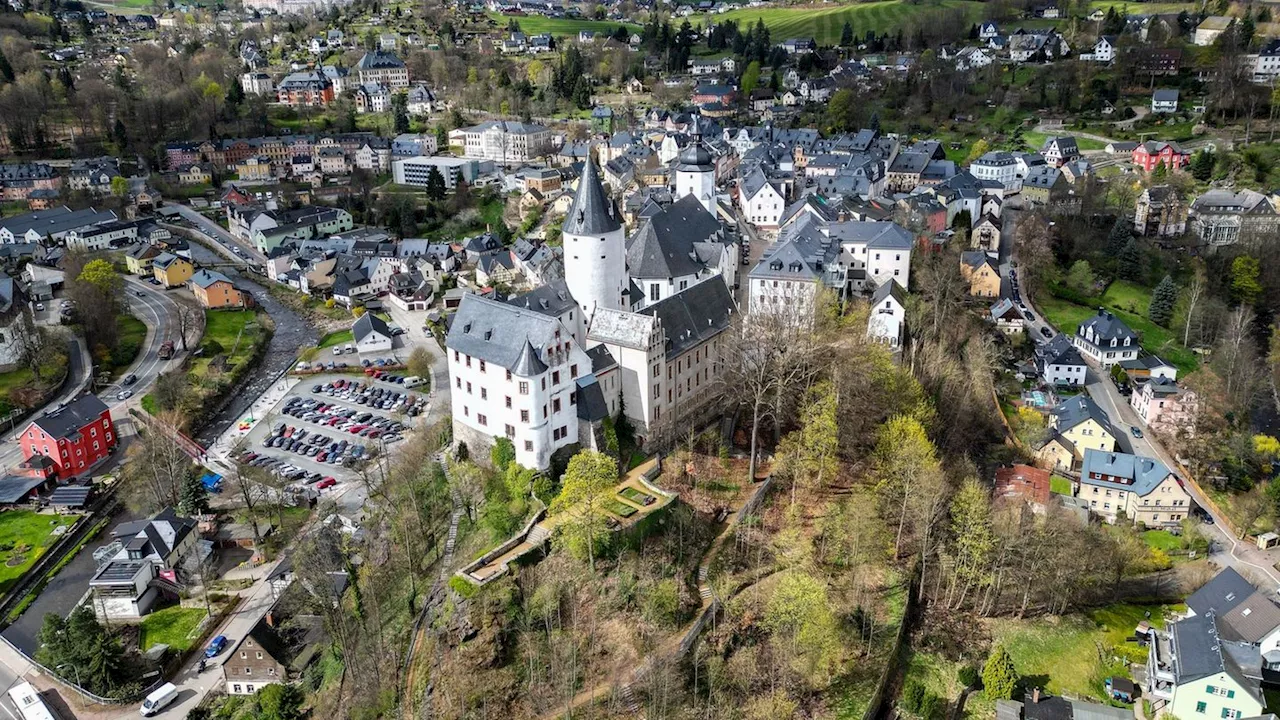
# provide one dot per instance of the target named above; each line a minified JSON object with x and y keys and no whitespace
{"x":382,"y":67}
{"x":1148,"y":367}
{"x":1193,"y":670}
{"x":148,"y":556}
{"x":1106,"y":340}
{"x":981,"y":272}
{"x":278,"y":648}
{"x":74,"y":437}
{"x":761,"y":200}
{"x":1023,"y":485}
{"x":1210,"y":28}
{"x":1060,"y":363}
{"x":215,"y":291}
{"x":1223,"y":217}
{"x":1058,"y":151}
{"x":171,"y":270}
{"x":255,"y":169}
{"x":1165,"y":407}
{"x":999,"y":166}
{"x":1153,"y":153}
{"x":1048,"y":185}
{"x":1164,"y":100}
{"x":1133,"y":488}
{"x":373,"y":98}
{"x":1266,"y":64}
{"x":138,"y":258}
{"x":1008,"y":318}
{"x":257,"y":83}
{"x":888,"y":314}
{"x":1104,"y":50}
{"x":371,"y":333}
{"x":305,"y":88}
{"x":1160,"y":212}
{"x":505,"y":142}
{"x":197,"y":174}
{"x":1082,"y":423}
{"x":985,"y":234}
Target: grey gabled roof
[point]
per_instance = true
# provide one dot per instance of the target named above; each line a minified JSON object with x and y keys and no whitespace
{"x":1107,"y":326}
{"x":68,"y":419}
{"x":1138,"y":474}
{"x":665,"y":245}
{"x":1165,"y":95}
{"x":887,"y":290}
{"x":876,"y":235}
{"x":591,"y":212}
{"x":369,"y":323}
{"x":1251,"y":620}
{"x":499,"y":333}
{"x":1196,"y":649}
{"x":694,"y":315}
{"x":1073,"y":411}
{"x":552,"y":299}
{"x":1222,"y":594}
{"x":1060,"y":351}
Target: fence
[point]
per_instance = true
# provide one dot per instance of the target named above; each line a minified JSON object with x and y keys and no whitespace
{"x":91,"y":697}
{"x":894,"y":660}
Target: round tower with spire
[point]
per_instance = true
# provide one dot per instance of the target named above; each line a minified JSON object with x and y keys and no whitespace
{"x":595,"y":249}
{"x":696,"y":173}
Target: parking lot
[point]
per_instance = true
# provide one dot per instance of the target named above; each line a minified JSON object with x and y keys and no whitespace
{"x":327,"y":427}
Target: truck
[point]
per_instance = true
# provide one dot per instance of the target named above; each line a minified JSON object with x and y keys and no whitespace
{"x":166,"y":350}
{"x":29,"y":703}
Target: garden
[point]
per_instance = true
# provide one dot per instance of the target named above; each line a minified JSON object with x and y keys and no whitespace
{"x":176,"y":626}
{"x":24,"y":537}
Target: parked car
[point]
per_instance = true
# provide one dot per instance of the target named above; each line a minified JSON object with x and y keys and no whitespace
{"x":1045,"y":331}
{"x":1133,"y":430}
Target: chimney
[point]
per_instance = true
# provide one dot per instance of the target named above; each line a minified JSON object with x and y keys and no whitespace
{"x":271,"y":619}
{"x":1102,"y":312}
{"x":1035,"y":696}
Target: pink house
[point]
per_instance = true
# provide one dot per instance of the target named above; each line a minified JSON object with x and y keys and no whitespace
{"x":1165,"y":407}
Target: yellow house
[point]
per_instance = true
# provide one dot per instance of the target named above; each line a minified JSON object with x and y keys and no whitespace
{"x":981,"y":273}
{"x":172,"y":270}
{"x":196,"y":174}
{"x":1084,"y":425}
{"x":1056,"y":452}
{"x":1132,"y":488}
{"x":139,"y":257}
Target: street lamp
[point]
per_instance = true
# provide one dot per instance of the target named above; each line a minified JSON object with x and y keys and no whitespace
{"x":73,"y":667}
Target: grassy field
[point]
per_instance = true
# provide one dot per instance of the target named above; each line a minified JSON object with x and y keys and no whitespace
{"x":176,"y":626}
{"x":132,"y":335}
{"x":537,"y":24}
{"x":224,"y":327}
{"x":1143,"y":8}
{"x":24,"y":537}
{"x":824,"y":23}
{"x":1072,"y":655}
{"x":340,"y":337}
{"x":1036,"y":140}
{"x":1059,"y":485}
{"x":941,"y":677}
{"x":1162,"y":540}
{"x":1129,"y":302}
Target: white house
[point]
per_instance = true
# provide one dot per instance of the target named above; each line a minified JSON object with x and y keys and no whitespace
{"x":1104,"y":50}
{"x":371,"y":334}
{"x":1000,"y":166}
{"x":1007,"y":317}
{"x":1060,"y":363}
{"x":1164,"y":100}
{"x":1059,"y":151}
{"x":888,"y":314}
{"x":761,"y":201}
{"x":1106,"y":340}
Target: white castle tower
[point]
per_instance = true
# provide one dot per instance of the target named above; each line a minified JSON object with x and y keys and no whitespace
{"x":595,"y":250}
{"x":696,"y":174}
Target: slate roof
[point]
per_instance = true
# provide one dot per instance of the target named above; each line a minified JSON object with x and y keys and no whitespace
{"x":666,"y":245}
{"x":1060,"y":351}
{"x":592,"y":212}
{"x":1066,"y":145}
{"x":1251,"y":620}
{"x":380,"y":60}
{"x":887,"y":290}
{"x":552,"y":299}
{"x":205,"y":278}
{"x":55,"y":220}
{"x":1221,"y":594}
{"x":1107,"y":326}
{"x":693,"y":315}
{"x":68,"y":419}
{"x":369,"y":323}
{"x":754,"y":182}
{"x":1073,"y":411}
{"x":1042,"y":176}
{"x":158,"y":535}
{"x":591,"y":403}
{"x":911,"y":163}
{"x":1141,"y":474}
{"x":601,"y":359}
{"x":1196,"y":649}
{"x":500,"y":333}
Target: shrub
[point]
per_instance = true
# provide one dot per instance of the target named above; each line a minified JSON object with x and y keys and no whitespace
{"x":999,"y":676}
{"x":462,"y":586}
{"x":662,"y":603}
{"x":968,"y":676}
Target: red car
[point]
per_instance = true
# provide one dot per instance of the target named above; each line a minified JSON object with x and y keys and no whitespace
{"x":326,"y":483}
{"x":369,"y":371}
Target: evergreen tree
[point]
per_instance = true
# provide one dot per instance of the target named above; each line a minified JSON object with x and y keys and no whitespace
{"x":846,"y":34}
{"x":999,"y":676}
{"x":1119,"y":236}
{"x":1129,"y":261}
{"x":400,"y":112}
{"x":193,"y":499}
{"x":1202,"y":165}
{"x":1162,"y":300}
{"x":435,"y":184}
{"x":6,"y":70}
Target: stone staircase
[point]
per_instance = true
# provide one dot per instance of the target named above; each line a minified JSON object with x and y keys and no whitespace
{"x":704,"y":590}
{"x":629,"y":703}
{"x":538,"y":535}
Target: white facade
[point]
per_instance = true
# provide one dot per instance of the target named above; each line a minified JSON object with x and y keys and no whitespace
{"x":595,"y":263}
{"x":887,"y":319}
{"x":1002,"y":167}
{"x":764,"y":207}
{"x":699,"y":183}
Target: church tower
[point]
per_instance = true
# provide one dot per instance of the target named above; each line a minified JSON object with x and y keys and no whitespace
{"x":696,"y":174}
{"x":595,"y":250}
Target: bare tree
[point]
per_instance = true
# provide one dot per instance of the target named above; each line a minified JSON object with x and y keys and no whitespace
{"x":1191,"y":296}
{"x":190,"y":318}
{"x":29,"y":340}
{"x":158,"y":465}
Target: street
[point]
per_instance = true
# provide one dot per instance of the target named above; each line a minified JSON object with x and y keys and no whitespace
{"x":1227,"y":550}
{"x":218,"y":233}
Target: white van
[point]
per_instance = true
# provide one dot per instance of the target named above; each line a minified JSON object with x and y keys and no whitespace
{"x":413,"y":381}
{"x":350,"y":349}
{"x":159,"y":699}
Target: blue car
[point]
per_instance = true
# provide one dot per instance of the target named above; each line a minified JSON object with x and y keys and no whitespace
{"x":216,"y":646}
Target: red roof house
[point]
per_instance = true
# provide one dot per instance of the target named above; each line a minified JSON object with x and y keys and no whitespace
{"x":1023,"y":484}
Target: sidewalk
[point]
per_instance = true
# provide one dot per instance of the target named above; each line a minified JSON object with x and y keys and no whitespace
{"x":220,"y":451}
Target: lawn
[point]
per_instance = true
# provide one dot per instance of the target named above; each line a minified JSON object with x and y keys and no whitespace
{"x":1129,"y":302}
{"x":176,"y":626}
{"x":234,"y":331}
{"x":1144,"y":8}
{"x":1059,"y":485}
{"x":620,"y":509}
{"x":940,"y":676}
{"x":825,"y":24}
{"x":537,"y":24}
{"x":339,"y":337}
{"x":24,"y":537}
{"x":1072,"y":655}
{"x":1162,"y":540}
{"x":131,"y":336}
{"x":1036,"y":140}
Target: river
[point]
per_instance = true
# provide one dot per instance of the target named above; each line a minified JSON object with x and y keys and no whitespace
{"x":292,"y":333}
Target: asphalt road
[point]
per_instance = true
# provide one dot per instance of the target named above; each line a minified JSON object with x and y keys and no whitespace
{"x":1226,"y":550}
{"x":219,"y":234}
